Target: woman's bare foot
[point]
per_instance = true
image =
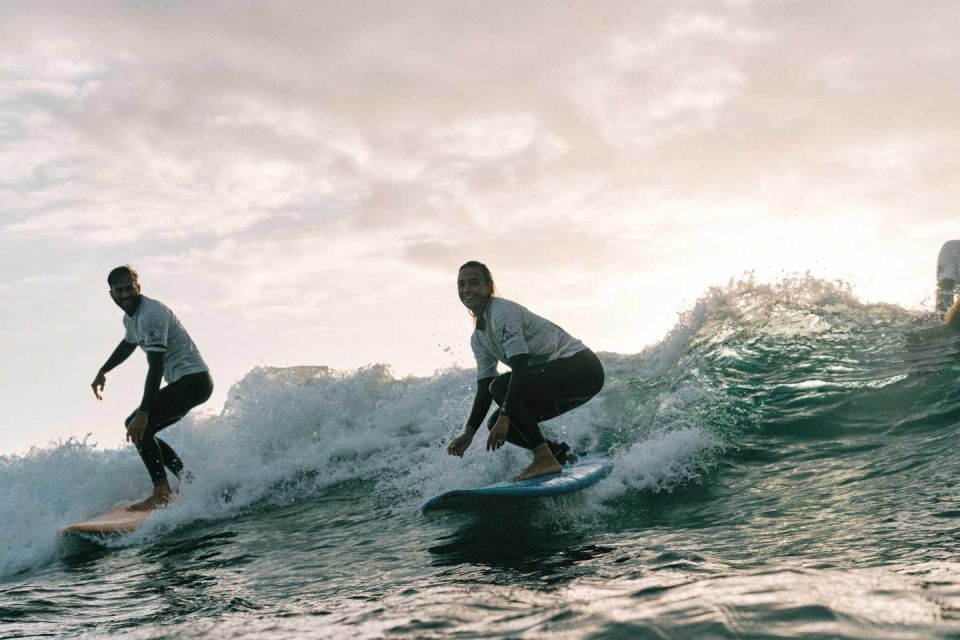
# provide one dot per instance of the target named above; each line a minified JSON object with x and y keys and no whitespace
{"x":161,"y":497}
{"x":543,"y":464}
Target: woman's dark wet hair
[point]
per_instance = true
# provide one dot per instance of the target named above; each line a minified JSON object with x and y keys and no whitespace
{"x":478,"y":320}
{"x":121,"y":272}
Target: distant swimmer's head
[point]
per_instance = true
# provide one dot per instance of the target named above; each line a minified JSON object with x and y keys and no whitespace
{"x":125,"y":288}
{"x":475,"y":286}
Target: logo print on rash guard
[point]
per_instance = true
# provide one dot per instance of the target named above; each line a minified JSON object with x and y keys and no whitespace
{"x":153,"y":335}
{"x":506,"y":334}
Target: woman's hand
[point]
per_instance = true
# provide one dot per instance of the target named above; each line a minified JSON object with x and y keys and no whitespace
{"x":498,"y":435}
{"x":461,"y":443}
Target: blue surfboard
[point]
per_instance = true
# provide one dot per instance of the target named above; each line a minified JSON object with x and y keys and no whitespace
{"x":580,"y":475}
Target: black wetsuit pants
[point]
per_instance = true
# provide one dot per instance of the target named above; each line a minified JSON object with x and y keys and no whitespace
{"x":551,"y":389}
{"x":172,"y":403}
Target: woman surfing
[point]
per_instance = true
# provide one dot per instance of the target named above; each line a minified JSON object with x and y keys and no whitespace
{"x":551,"y":372}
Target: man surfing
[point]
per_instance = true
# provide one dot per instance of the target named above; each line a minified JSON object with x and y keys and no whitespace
{"x":171,"y":354}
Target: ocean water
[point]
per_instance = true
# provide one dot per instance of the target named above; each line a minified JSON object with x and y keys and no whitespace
{"x":785,"y":465}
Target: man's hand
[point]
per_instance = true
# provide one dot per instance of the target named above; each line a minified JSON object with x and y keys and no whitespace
{"x":98,"y":384}
{"x":136,"y":428}
{"x":461,"y":443}
{"x":498,"y":435}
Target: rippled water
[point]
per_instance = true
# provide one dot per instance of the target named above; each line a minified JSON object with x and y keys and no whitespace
{"x":785,"y":466}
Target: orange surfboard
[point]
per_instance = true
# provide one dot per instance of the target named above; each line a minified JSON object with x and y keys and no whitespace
{"x":120,"y":519}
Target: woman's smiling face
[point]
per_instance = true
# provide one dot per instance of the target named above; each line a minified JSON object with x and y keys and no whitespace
{"x":473,"y":288}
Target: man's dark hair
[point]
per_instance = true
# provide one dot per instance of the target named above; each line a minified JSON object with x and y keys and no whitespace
{"x":120,"y":272}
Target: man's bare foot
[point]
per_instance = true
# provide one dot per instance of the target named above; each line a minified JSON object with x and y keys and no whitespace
{"x":161,"y":497}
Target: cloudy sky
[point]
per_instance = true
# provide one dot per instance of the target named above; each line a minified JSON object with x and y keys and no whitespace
{"x":300,"y":180}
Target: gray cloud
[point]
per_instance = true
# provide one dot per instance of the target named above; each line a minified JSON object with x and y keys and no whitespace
{"x":466,"y":122}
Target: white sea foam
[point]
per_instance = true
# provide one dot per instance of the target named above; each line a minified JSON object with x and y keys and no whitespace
{"x":661,"y":462}
{"x":49,"y":488}
{"x":288,"y":432}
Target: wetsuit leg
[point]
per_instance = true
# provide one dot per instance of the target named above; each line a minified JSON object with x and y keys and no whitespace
{"x":551,"y":389}
{"x":172,"y":403}
{"x":527,"y":440}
